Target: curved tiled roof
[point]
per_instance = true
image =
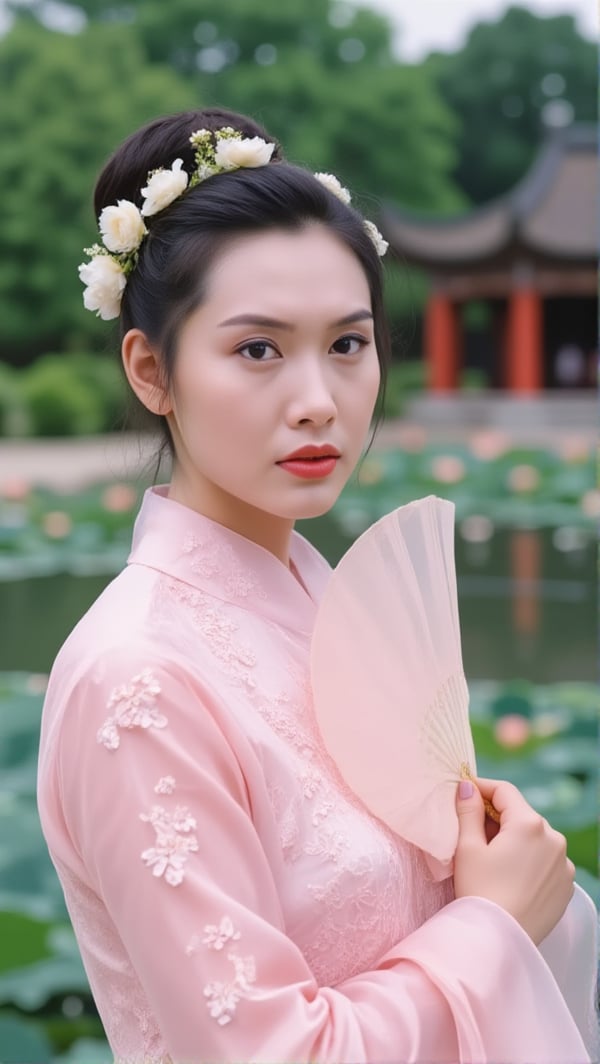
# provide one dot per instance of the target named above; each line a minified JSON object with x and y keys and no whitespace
{"x":551,"y":212}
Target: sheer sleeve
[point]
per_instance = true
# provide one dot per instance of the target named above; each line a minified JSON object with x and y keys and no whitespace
{"x":159,"y":809}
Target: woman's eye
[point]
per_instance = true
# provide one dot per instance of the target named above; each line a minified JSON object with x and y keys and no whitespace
{"x":349,"y":345}
{"x":256,"y":351}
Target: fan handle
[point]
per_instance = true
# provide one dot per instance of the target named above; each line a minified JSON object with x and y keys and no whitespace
{"x":492,"y":812}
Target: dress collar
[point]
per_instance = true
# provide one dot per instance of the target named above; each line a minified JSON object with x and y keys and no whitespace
{"x":193,"y":548}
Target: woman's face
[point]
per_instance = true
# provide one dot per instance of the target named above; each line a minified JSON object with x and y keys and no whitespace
{"x":280,"y":354}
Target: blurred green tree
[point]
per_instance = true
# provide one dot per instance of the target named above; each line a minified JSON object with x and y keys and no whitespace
{"x":65,"y":102}
{"x":513,"y":81}
{"x":319,"y":74}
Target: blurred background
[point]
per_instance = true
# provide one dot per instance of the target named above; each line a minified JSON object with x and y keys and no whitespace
{"x":467,"y":131}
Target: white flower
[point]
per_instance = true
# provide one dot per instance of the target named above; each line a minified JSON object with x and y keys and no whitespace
{"x":122,"y":227}
{"x":222,"y":998}
{"x":381,"y":245}
{"x":216,"y":937}
{"x":331,"y":182}
{"x":134,"y":706}
{"x":163,"y":187}
{"x":201,"y":136}
{"x":105,"y":280}
{"x":205,"y":170}
{"x":173,"y":843}
{"x":232,"y":153}
{"x":165,"y":785}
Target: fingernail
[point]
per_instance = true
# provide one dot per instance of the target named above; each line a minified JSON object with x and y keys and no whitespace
{"x":465,"y":789}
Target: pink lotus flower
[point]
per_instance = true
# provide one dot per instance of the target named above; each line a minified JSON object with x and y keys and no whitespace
{"x":590,"y":503}
{"x":523,"y":478}
{"x":448,"y":468}
{"x":574,"y":449}
{"x":57,"y":524}
{"x":489,"y":444}
{"x":15,"y":489}
{"x":512,"y":730}
{"x":118,"y":498}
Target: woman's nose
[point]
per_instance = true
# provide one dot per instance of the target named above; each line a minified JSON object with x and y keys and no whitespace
{"x":312,"y":400}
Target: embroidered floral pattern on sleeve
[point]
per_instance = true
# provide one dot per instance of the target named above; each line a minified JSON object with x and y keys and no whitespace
{"x":174,"y":842}
{"x":165,"y":785}
{"x":217,"y":937}
{"x":133,"y":705}
{"x":223,"y":995}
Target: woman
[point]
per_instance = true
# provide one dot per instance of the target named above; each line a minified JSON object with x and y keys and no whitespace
{"x":231,"y":898}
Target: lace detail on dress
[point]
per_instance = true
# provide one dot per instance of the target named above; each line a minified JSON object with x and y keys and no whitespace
{"x":136,"y":1009}
{"x":211,"y":557}
{"x":287,"y":815}
{"x":127,"y":1017}
{"x":174,"y":843}
{"x":365,"y":877}
{"x":357,"y":865}
{"x":218,"y":630}
{"x":134,"y":706}
{"x":223,"y":995}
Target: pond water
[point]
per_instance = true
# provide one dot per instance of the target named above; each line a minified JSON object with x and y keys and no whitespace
{"x":527,"y":603}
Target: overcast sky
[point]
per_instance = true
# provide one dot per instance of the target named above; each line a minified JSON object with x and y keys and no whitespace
{"x":425,"y":25}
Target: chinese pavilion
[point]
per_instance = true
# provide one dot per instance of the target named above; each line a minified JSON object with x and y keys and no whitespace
{"x":531,"y":258}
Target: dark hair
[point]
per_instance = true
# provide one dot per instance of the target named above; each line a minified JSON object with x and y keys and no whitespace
{"x":169,"y":280}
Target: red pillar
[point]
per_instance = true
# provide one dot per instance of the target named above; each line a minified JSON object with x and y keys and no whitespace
{"x":524,"y":340}
{"x":441,"y":343}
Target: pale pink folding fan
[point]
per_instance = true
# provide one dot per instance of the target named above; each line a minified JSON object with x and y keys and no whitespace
{"x":392,"y":703}
{"x":390,"y":695}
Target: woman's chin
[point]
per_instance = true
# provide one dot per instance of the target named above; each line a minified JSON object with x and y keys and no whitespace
{"x":309,"y":508}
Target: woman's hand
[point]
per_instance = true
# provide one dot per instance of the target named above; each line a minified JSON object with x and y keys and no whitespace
{"x":523,"y":866}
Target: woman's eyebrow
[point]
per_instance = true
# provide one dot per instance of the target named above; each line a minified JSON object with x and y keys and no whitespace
{"x":357,"y":315}
{"x":256,"y":319}
{"x":275,"y":323}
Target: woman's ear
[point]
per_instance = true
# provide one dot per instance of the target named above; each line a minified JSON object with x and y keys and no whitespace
{"x":144,"y":372}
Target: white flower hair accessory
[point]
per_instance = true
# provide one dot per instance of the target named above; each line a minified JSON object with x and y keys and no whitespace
{"x":381,"y":245}
{"x":105,"y":279}
{"x":122,"y":227}
{"x":331,"y":182}
{"x":252,"y":151}
{"x":163,"y":187}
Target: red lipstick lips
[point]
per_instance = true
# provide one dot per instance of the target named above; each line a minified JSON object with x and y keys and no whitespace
{"x":311,"y":461}
{"x":312,"y":450}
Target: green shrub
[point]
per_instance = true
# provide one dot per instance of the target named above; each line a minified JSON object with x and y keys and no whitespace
{"x":404,"y":380}
{"x":67,"y":395}
{"x":13,"y":417}
{"x":58,"y":401}
{"x":106,"y":379}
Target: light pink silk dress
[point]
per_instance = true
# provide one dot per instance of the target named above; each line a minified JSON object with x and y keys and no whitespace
{"x":231,"y":899}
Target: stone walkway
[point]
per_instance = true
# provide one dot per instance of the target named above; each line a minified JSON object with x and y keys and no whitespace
{"x":70,"y":464}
